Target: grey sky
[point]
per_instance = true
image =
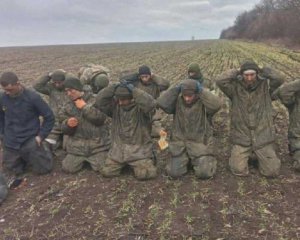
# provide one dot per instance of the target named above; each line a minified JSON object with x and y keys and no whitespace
{"x":42,"y":22}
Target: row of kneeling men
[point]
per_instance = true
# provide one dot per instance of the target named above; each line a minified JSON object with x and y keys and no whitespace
{"x":110,"y":125}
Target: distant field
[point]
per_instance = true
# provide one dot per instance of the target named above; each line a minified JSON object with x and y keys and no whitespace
{"x":87,"y":206}
{"x":169,"y":59}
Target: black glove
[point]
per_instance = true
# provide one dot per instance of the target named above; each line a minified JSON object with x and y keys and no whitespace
{"x":199,"y":87}
{"x":127,"y":84}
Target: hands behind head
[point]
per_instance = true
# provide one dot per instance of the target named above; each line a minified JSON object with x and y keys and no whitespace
{"x":127,"y":84}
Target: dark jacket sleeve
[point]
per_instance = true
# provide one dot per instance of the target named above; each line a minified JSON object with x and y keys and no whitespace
{"x":211,"y":102}
{"x":163,"y":83}
{"x":93,"y":114}
{"x":167,"y":101}
{"x":48,"y":117}
{"x":105,"y":100}
{"x":287,"y":92}
{"x":143,"y":100}
{"x":42,"y":85}
{"x":226,"y":82}
{"x":131,"y":78}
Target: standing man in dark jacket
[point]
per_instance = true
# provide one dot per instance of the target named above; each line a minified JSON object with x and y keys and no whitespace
{"x":22,"y":132}
{"x":192,"y":107}
{"x":252,"y":127}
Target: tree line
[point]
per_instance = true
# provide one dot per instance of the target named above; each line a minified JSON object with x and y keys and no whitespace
{"x":268,"y":20}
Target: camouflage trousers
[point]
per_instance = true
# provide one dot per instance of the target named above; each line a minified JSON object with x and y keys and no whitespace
{"x":204,"y":164}
{"x":3,"y":188}
{"x":268,"y":162}
{"x":143,"y":169}
{"x":294,"y":147}
{"x":157,"y":123}
{"x":39,"y":158}
{"x":74,"y":163}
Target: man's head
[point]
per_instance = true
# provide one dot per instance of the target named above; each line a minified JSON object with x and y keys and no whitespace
{"x":145,"y":74}
{"x":99,"y":82}
{"x":249,"y":71}
{"x":10,"y":83}
{"x":123,"y":96}
{"x":189,"y":91}
{"x":73,"y":87}
{"x":194,"y":71}
{"x":58,"y":78}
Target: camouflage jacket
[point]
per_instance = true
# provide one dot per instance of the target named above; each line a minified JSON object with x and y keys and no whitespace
{"x":89,"y":71}
{"x":92,"y":133}
{"x":289,"y":94}
{"x":131,"y":125}
{"x":251,"y":107}
{"x":191,"y":124}
{"x":57,"y":98}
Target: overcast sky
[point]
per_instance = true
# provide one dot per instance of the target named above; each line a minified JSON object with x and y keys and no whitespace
{"x":44,"y":22}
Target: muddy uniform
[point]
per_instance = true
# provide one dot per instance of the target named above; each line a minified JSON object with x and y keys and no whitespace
{"x":94,"y":77}
{"x":289,"y":94}
{"x":3,"y":188}
{"x":190,"y":132}
{"x":252,"y":127}
{"x":57,"y":98}
{"x":87,"y":142}
{"x":155,"y":87}
{"x":130,"y":132}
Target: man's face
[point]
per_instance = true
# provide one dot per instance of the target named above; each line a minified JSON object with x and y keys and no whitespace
{"x":189,"y":98}
{"x":192,"y":74}
{"x":12,"y":89}
{"x":123,"y":102}
{"x":73,"y":94}
{"x":249,"y":77}
{"x":58,"y":84}
{"x":145,"y":78}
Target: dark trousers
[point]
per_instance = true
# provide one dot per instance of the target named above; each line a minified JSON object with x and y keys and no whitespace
{"x":39,"y":158}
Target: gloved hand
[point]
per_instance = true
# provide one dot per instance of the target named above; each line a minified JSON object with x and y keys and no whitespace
{"x":130,"y":87}
{"x":199,"y":88}
{"x":123,"y":82}
{"x":80,"y":103}
{"x":72,"y":122}
{"x":127,"y":84}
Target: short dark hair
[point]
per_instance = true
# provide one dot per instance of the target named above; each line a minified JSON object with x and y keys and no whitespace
{"x":8,"y":78}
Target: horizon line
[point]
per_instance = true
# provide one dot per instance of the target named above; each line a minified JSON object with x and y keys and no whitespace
{"x":99,"y":43}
